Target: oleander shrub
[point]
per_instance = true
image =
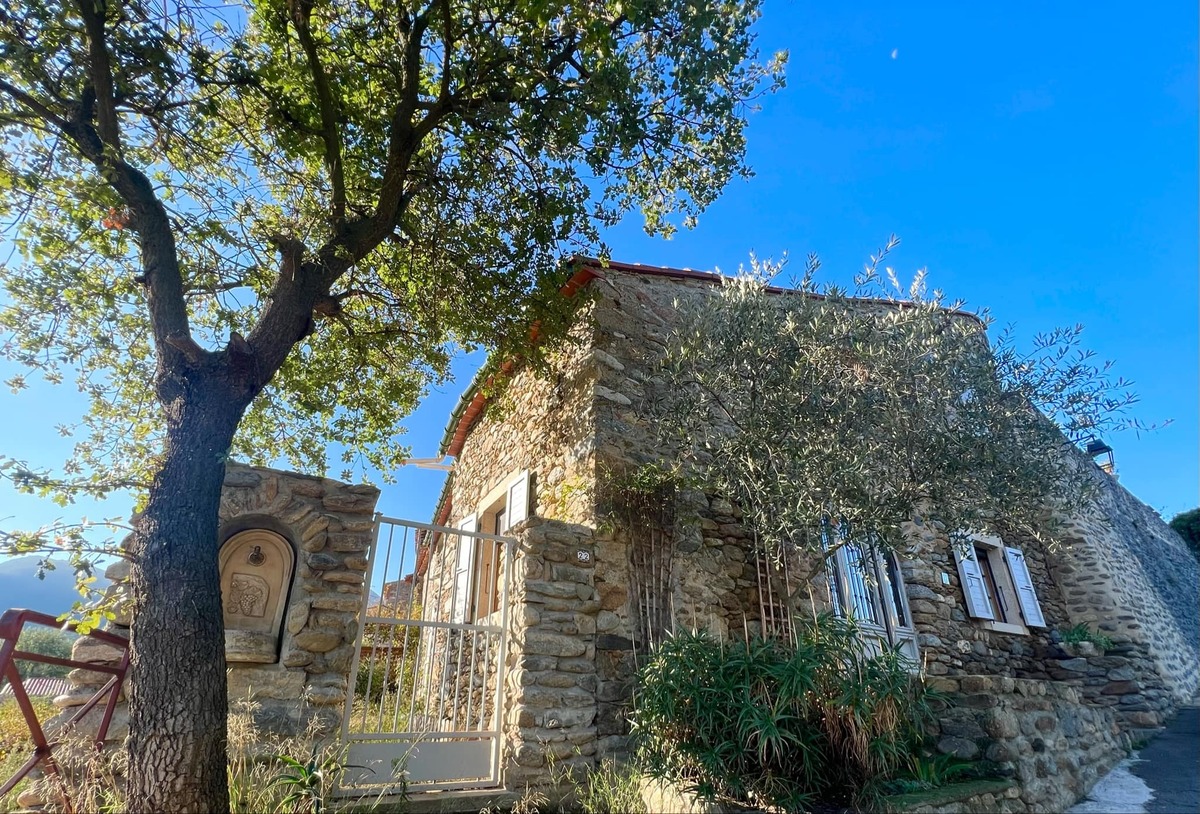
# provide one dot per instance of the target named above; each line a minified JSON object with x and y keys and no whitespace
{"x":770,"y":723}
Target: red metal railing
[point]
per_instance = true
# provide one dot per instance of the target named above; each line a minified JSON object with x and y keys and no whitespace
{"x":11,"y":624}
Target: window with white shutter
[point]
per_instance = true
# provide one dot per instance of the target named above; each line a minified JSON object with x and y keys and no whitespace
{"x":517,"y":509}
{"x":974,"y":588}
{"x":464,"y":566}
{"x":1031,"y":609}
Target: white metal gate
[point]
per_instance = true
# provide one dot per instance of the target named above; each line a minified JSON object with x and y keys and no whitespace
{"x":427,"y":679}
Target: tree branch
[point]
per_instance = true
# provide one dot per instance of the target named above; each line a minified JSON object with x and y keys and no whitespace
{"x":22,"y":98}
{"x":100,"y":73}
{"x":301,"y":17}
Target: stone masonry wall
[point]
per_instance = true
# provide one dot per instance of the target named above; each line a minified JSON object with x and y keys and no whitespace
{"x":1124,"y":570}
{"x":555,"y":631}
{"x":331,"y":525}
{"x":1118,"y":679}
{"x":1130,"y":575}
{"x":574,"y":623}
{"x":1037,"y":732}
{"x":953,"y":643}
{"x":543,"y":424}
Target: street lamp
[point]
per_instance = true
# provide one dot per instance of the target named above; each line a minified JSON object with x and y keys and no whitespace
{"x":1102,"y":453}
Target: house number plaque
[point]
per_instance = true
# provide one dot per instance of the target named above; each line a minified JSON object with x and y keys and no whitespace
{"x":583,"y":556}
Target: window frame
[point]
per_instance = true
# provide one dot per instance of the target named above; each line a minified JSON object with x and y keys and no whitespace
{"x":998,"y":559}
{"x":891,"y":629}
{"x":501,"y":508}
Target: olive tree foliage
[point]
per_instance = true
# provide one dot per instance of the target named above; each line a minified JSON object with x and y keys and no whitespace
{"x":867,"y":409}
{"x":418,"y":165}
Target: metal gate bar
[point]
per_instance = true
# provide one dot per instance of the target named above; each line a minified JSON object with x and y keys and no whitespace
{"x":425,"y":706}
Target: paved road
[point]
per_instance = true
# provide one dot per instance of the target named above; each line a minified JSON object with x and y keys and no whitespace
{"x":1170,"y":766}
{"x":1163,"y":778}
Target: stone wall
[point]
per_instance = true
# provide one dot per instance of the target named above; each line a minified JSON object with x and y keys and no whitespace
{"x":1118,"y":679}
{"x":953,"y":643}
{"x":555,"y":654}
{"x":331,"y":526}
{"x":1040,"y":733}
{"x":1130,"y":575}
{"x":543,"y":424}
{"x":576,"y":627}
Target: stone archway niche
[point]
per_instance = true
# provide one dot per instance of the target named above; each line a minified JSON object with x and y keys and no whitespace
{"x":256,"y":572}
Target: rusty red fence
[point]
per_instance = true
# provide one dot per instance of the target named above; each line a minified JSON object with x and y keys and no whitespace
{"x":12,"y":622}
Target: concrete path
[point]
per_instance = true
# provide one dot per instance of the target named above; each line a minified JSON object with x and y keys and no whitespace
{"x":1162,"y":778}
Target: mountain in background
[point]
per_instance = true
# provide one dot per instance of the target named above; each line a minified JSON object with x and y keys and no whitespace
{"x":20,"y":587}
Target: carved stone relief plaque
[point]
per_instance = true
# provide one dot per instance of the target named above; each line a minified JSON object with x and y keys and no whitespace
{"x":256,"y":571}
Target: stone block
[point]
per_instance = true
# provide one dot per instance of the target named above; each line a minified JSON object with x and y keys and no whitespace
{"x":607,"y":621}
{"x":322,"y":561}
{"x":85,"y":648}
{"x":553,"y":644}
{"x":265,"y":682}
{"x":566,"y":718}
{"x":1120,"y":688}
{"x":1001,"y":724}
{"x":297,"y":658}
{"x":297,"y":616}
{"x":1045,"y":723}
{"x":341,"y":603}
{"x":325,"y":696}
{"x":610,"y":642}
{"x":350,"y":502}
{"x":541,"y":588}
{"x":976,"y":684}
{"x":979,"y":701}
{"x":318,"y":640}
{"x":349,"y":543}
{"x":959,"y":747}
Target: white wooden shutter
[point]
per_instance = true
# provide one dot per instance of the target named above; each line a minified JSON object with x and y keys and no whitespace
{"x":465,"y":565}
{"x":974,"y":590}
{"x":517,"y":507}
{"x":1026,"y":595}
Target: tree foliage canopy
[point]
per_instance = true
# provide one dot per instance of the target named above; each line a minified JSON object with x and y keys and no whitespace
{"x":258,"y":228}
{"x":874,"y":407}
{"x":1188,"y":525}
{"x":373,"y":181}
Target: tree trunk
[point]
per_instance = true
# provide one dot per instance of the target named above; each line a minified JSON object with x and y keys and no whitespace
{"x":177,"y":697}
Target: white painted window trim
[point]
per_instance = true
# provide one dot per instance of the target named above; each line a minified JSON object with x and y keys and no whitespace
{"x":1000,"y":555}
{"x":971,"y":578}
{"x":889,"y":630}
{"x":464,"y":571}
{"x":513,"y":490}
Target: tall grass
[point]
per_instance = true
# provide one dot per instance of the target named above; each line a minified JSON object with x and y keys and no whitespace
{"x":262,"y":767}
{"x":763,"y":722}
{"x":15,"y":744}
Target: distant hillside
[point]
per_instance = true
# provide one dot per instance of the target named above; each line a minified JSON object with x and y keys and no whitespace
{"x":20,"y":587}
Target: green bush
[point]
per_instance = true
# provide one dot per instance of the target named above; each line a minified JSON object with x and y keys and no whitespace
{"x":45,"y":641}
{"x":372,"y":680}
{"x":1082,"y":633}
{"x":765,"y":723}
{"x":1188,"y":526}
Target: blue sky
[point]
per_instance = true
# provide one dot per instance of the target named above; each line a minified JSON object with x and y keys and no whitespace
{"x":1042,"y":164}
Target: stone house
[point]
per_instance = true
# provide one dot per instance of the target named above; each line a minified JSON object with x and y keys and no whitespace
{"x":596,"y":578}
{"x":507,"y":633}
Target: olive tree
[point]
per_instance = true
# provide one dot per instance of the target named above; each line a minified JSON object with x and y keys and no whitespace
{"x":868,"y":409}
{"x":258,"y":228}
